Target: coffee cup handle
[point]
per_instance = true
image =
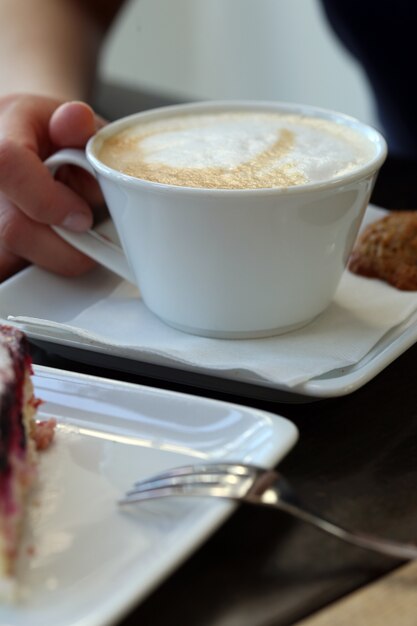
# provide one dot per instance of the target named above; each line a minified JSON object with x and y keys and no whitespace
{"x":91,"y":243}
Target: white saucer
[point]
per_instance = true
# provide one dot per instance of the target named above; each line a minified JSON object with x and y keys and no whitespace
{"x":38,"y":294}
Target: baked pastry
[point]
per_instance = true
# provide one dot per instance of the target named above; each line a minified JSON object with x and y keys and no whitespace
{"x":18,"y":446}
{"x":387,"y":249}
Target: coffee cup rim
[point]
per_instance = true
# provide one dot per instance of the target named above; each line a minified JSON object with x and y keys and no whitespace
{"x":209,"y":106}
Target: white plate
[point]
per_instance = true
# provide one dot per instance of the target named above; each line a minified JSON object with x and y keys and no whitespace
{"x":38,"y":294}
{"x":92,"y":562}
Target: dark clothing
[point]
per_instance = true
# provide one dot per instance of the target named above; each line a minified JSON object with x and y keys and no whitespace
{"x":381,"y":36}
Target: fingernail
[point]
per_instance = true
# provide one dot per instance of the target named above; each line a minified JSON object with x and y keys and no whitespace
{"x":78,"y":222}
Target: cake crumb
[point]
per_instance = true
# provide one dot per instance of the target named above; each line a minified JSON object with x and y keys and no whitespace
{"x":43,"y":433}
{"x":31,"y":550}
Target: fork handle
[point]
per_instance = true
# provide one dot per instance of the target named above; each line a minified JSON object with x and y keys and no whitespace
{"x":362,"y":540}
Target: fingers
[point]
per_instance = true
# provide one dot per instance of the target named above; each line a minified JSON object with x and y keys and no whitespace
{"x":23,"y":238}
{"x":9,"y":264}
{"x":30,"y":186}
{"x":82,"y":183}
{"x":24,"y":120}
{"x":31,"y":128}
{"x":72,"y":124}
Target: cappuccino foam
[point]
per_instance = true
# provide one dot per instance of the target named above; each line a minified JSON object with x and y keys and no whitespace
{"x":236,"y":150}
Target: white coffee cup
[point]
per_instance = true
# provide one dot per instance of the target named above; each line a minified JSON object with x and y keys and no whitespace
{"x":229,"y":263}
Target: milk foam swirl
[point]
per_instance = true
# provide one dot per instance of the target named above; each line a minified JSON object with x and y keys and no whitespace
{"x":237,"y":150}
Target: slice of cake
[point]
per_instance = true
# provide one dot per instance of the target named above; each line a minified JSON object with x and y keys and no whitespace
{"x":17,"y":446}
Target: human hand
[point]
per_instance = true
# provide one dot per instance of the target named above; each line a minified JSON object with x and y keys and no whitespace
{"x":31,"y":129}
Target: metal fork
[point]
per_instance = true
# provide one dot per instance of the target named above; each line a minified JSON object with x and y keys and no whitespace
{"x":253,"y":485}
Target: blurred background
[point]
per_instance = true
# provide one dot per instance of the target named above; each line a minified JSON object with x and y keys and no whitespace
{"x":214,"y":49}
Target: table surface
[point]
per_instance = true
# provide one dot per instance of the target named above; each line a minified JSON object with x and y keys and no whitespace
{"x":354,"y":462}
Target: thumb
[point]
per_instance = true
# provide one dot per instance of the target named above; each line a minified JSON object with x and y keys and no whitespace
{"x":72,"y":124}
